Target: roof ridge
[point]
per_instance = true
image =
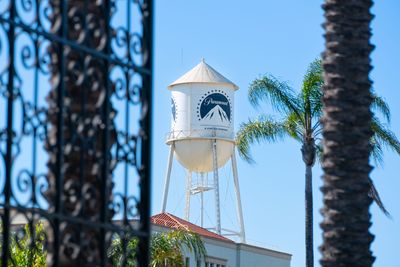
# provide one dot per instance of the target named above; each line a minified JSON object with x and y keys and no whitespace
{"x":177,"y":221}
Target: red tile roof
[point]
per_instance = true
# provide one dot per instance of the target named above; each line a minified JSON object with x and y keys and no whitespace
{"x":171,"y":221}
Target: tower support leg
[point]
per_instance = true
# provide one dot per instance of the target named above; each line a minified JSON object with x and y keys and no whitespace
{"x":167,"y":177}
{"x":238,"y":200}
{"x":216,"y":187}
{"x":202,"y":201}
{"x":188,"y":194}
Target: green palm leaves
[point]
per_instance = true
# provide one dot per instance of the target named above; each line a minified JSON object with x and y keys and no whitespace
{"x":166,"y":249}
{"x":252,"y":131}
{"x":382,"y":137}
{"x":300,"y":115}
{"x":28,"y":246}
{"x":116,"y":252}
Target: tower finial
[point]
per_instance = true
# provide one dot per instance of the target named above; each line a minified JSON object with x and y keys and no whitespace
{"x":203,"y":60}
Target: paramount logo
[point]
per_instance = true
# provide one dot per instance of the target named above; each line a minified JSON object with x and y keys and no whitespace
{"x":211,"y":101}
{"x":215,"y":109}
{"x":217,"y":113}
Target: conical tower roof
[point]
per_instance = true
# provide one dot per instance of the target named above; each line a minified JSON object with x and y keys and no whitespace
{"x":203,"y":73}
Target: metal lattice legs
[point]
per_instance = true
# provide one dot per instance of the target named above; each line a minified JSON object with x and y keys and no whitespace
{"x":242,"y":234}
{"x":202,"y":201}
{"x":216,"y":187}
{"x":188,"y":194}
{"x":201,"y":187}
{"x":167,"y":177}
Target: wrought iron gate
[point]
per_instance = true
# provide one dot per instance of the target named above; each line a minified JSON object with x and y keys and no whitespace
{"x":75,"y":124}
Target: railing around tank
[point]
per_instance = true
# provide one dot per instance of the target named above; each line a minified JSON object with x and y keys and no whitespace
{"x":198,"y":134}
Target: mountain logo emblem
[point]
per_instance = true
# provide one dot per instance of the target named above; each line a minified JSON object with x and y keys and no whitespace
{"x":173,"y":109}
{"x":214,"y":109}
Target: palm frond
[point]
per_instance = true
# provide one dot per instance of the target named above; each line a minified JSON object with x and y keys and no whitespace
{"x":311,"y":92}
{"x":164,"y":251}
{"x":255,"y":131}
{"x":294,"y":127}
{"x":316,"y":104}
{"x":373,"y":193}
{"x":379,"y":104}
{"x":168,"y":247}
{"x":384,"y":136}
{"x":278,"y":93}
{"x":318,"y":151}
{"x":376,"y":152}
{"x":188,"y":240}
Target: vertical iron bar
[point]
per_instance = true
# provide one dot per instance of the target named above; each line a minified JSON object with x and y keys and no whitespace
{"x":106,"y":140}
{"x":83,"y":104}
{"x":8,"y":161}
{"x":35,"y":106}
{"x":60,"y":134}
{"x":60,"y":92}
{"x":146,"y":124}
{"x":34,"y":141}
{"x":35,"y":102}
{"x":127,"y":117}
{"x":126,"y":236}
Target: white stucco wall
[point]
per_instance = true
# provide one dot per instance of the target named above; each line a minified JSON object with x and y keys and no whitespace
{"x":220,"y":250}
{"x":259,"y":257}
{"x":238,"y":255}
{"x":241,"y":255}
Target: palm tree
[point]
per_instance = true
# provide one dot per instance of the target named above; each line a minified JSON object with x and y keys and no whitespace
{"x":166,"y":249}
{"x":300,"y":120}
{"x":348,"y":128}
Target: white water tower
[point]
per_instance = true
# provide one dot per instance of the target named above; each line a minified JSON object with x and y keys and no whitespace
{"x":202,"y":135}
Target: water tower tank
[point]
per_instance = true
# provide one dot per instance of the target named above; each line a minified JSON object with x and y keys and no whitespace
{"x":202,"y":103}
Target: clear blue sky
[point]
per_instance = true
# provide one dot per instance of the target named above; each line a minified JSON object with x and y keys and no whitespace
{"x":244,"y":40}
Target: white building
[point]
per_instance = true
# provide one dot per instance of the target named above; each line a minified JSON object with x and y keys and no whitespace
{"x":221,"y":251}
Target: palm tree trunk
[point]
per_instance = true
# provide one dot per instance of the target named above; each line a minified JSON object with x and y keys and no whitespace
{"x":308,"y":153}
{"x":346,"y":132}
{"x":309,"y":218}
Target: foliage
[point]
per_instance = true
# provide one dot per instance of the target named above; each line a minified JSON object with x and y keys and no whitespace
{"x":166,"y":249}
{"x":116,"y":252}
{"x":301,"y":114}
{"x":300,"y":118}
{"x":27,"y":246}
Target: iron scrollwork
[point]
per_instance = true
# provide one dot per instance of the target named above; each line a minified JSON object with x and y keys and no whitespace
{"x":75,"y":123}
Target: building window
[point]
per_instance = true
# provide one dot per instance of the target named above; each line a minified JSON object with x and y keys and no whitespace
{"x":215,"y":262}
